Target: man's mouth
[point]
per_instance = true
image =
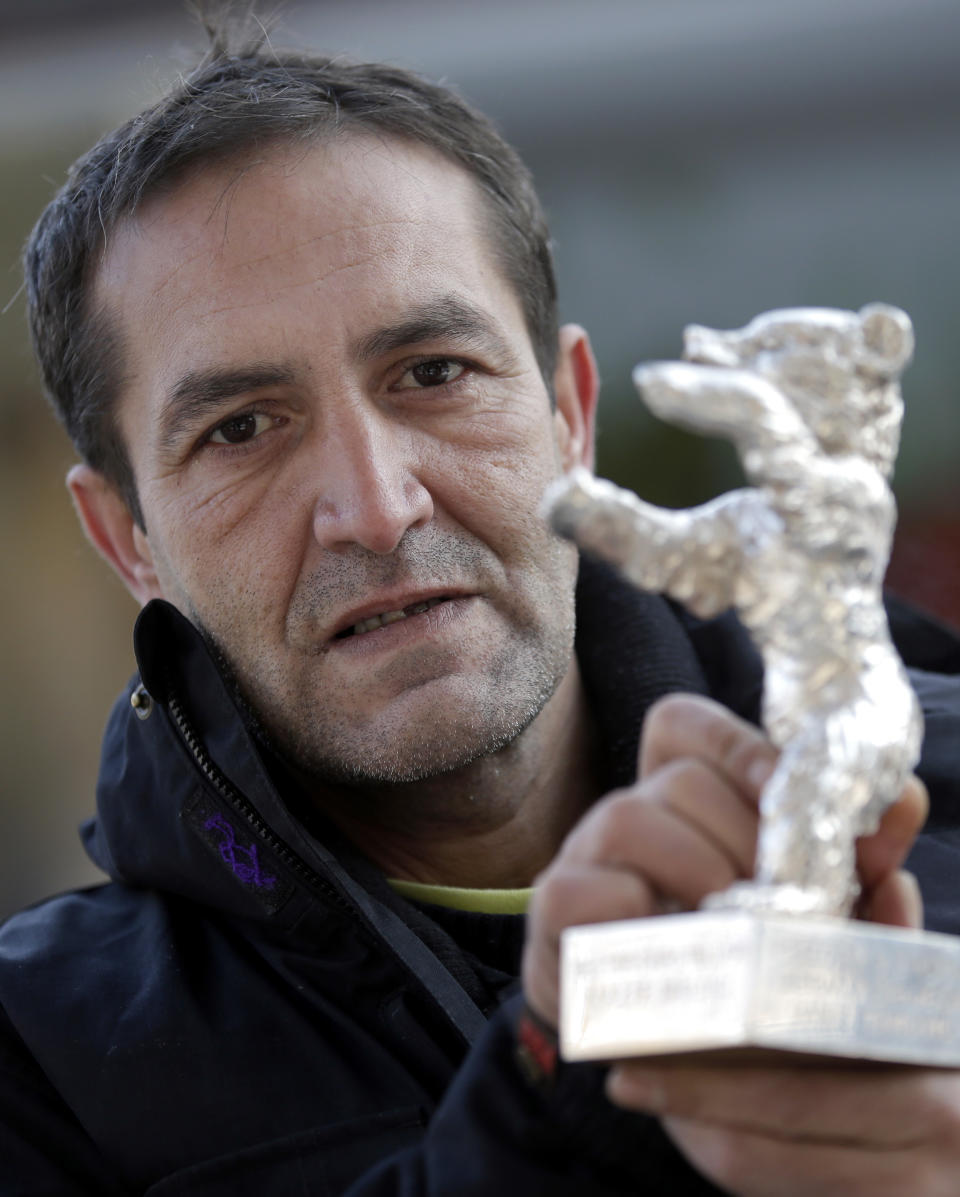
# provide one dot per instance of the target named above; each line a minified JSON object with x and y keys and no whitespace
{"x":378,"y":621}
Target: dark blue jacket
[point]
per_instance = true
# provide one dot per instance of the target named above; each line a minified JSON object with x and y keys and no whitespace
{"x":248,"y":1008}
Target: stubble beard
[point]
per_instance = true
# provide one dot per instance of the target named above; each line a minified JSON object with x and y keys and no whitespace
{"x":319,"y":739}
{"x":490,"y":716}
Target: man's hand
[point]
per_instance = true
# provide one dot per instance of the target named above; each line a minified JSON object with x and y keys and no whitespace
{"x":783,"y":1132}
{"x":687,"y":828}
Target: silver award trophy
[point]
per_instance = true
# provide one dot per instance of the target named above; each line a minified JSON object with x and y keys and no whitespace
{"x":811,"y":400}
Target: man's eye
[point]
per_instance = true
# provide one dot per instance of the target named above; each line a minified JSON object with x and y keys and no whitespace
{"x":239,"y":429}
{"x":433,"y":373}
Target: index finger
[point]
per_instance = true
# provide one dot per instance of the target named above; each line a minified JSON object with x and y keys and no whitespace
{"x":689,"y":725}
{"x":882,"y":853}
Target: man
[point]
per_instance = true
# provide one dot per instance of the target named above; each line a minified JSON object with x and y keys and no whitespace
{"x":299,"y":319}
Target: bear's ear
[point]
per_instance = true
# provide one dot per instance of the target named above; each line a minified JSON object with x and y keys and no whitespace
{"x":887,"y":339}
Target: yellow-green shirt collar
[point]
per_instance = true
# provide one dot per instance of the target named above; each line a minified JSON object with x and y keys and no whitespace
{"x":481,"y":901}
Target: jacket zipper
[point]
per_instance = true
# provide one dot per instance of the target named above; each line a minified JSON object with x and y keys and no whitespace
{"x":248,"y":812}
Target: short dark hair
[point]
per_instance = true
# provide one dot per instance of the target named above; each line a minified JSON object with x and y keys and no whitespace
{"x":234,"y":102}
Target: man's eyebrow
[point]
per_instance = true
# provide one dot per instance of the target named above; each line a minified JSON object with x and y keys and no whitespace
{"x":447,"y":318}
{"x":195,"y":393}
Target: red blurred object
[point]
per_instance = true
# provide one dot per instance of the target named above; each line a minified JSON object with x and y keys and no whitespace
{"x":925,"y":563}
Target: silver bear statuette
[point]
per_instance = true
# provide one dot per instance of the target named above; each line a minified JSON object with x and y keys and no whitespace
{"x":811,"y":400}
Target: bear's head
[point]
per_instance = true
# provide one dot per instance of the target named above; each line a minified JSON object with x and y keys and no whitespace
{"x":840,"y":370}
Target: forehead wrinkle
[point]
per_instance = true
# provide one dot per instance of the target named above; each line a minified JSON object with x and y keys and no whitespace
{"x":292,"y":251}
{"x":171,"y":275}
{"x":203,"y":253}
{"x":299,"y":246}
{"x":259,"y":300}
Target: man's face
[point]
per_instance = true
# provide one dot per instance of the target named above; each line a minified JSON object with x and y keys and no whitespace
{"x":340,"y":438}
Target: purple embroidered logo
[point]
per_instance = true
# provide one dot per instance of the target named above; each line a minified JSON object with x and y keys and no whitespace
{"x":242,"y":861}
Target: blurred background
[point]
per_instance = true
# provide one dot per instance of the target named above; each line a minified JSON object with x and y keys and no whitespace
{"x":701,"y":160}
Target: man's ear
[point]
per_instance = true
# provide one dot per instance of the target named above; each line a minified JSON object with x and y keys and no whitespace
{"x":113,"y":532}
{"x":576,"y":386}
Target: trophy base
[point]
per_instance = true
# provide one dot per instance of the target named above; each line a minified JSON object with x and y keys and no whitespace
{"x":737,"y":986}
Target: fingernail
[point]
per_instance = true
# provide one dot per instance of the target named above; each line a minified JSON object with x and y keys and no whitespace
{"x":637,"y":1088}
{"x":759,"y":772}
{"x":912,"y":899}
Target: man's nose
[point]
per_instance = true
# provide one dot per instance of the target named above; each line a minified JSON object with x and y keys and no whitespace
{"x":369,"y":491}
